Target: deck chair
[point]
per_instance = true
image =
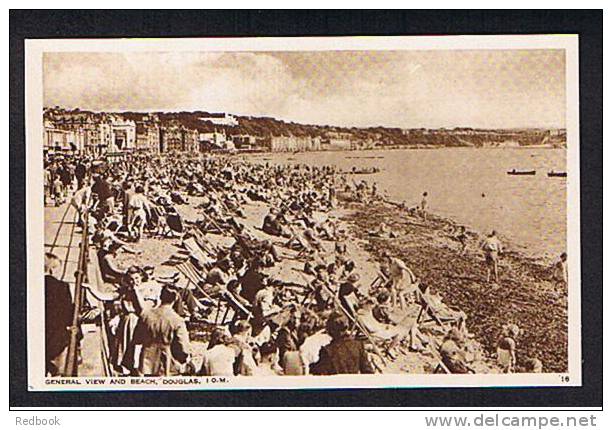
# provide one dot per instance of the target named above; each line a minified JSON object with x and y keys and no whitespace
{"x":208,"y":247}
{"x":358,"y":324}
{"x":428,"y":313}
{"x":389,"y":337}
{"x":440,"y":366}
{"x":195,"y":251}
{"x":233,"y":304}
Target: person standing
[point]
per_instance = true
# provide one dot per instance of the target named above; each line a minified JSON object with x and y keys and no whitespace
{"x":560,"y":271}
{"x":424,"y":205}
{"x":403,"y":280}
{"x":492,"y":248}
{"x":164,"y":339}
{"x":123,"y":355}
{"x":81,"y":199}
{"x":106,"y":198}
{"x":59,"y":311}
{"x":128,"y":191}
{"x":140,"y":210}
{"x":80,"y":171}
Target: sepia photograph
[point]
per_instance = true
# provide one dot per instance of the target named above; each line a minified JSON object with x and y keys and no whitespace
{"x":322,"y":212}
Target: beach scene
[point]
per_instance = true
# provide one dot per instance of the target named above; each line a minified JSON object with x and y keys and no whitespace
{"x":336,"y":213}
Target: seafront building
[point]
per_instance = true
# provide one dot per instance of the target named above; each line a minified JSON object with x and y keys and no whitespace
{"x":98,"y":133}
{"x":293,"y":144}
{"x":224,"y":119}
{"x":87,"y":133}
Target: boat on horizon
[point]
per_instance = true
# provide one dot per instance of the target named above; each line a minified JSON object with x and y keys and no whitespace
{"x":521,"y":172}
{"x":553,"y":174}
{"x":362,"y":171}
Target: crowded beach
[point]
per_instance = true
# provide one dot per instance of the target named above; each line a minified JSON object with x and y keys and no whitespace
{"x":220,"y":266}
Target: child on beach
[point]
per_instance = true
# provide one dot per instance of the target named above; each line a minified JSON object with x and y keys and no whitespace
{"x":559,"y":271}
{"x":506,"y":348}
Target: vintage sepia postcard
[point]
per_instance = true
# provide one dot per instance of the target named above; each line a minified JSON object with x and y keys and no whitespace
{"x":321,"y":212}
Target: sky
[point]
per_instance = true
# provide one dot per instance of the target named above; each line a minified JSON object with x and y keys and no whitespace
{"x":407,"y":89}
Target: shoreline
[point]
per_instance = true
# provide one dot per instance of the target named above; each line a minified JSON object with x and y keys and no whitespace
{"x":542,"y":257}
{"x":525,"y":297}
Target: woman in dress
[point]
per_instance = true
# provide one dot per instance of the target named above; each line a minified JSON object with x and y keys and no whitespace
{"x":124,"y":351}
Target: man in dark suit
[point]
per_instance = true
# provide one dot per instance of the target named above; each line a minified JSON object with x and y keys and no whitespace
{"x":343,"y":355}
{"x":59,"y":310}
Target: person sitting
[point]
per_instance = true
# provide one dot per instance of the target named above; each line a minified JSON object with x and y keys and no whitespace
{"x":105,"y":233}
{"x":271,"y":223}
{"x":559,"y":271}
{"x":453,"y":352}
{"x":506,"y":348}
{"x":234,"y":290}
{"x":533,"y":365}
{"x":263,"y":305}
{"x":405,"y":327}
{"x":186,"y":305}
{"x":312,"y":241}
{"x":219,"y":275}
{"x":269,"y":254}
{"x":219,"y":357}
{"x":343,"y":355}
{"x":288,"y":343}
{"x":322,"y":290}
{"x":268,"y":361}
{"x":252,"y":281}
{"x":109,"y":271}
{"x":348,"y":294}
{"x":313,"y":338}
{"x":242,"y":340}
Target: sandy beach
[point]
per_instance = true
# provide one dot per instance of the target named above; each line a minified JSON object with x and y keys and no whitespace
{"x":428,"y":249}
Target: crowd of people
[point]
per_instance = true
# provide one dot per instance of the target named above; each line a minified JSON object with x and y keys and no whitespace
{"x":329,"y":323}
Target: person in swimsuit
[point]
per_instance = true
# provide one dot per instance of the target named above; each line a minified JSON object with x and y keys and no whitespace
{"x":492,"y":248}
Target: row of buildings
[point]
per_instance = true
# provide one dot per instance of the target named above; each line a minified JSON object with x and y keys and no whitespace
{"x":100,"y":133}
{"x":96,"y":134}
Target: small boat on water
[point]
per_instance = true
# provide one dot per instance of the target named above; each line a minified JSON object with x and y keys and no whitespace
{"x":553,"y":174}
{"x":521,"y":172}
{"x":363,"y":171}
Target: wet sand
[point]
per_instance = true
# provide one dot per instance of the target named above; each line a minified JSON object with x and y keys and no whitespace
{"x":525,"y":295}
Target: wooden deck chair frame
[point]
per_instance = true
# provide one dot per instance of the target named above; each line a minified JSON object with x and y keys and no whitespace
{"x":233,"y":303}
{"x":195,"y":251}
{"x":191,"y":275}
{"x":440,"y":366}
{"x":357,"y":323}
{"x":427,"y":310}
